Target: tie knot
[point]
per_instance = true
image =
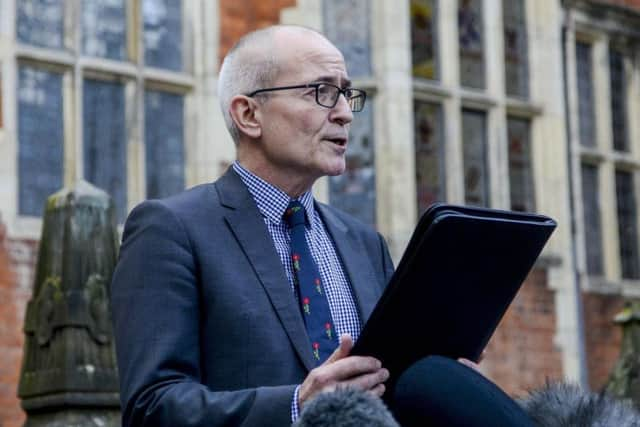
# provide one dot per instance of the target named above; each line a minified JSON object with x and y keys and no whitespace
{"x":294,"y":215}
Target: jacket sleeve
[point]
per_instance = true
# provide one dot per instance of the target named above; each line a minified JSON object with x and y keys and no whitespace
{"x":156,"y":310}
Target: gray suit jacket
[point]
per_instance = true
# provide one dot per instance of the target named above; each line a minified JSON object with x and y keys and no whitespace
{"x":208,"y":331}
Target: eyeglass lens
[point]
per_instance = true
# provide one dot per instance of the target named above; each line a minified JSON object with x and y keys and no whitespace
{"x":328,"y":97}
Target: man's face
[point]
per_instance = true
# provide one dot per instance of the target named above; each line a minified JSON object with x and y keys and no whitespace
{"x":300,"y":139}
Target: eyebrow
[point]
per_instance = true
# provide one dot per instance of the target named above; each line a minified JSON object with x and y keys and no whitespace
{"x":332,"y":79}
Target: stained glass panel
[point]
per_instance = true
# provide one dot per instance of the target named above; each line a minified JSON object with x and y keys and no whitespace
{"x":471,"y":42}
{"x":40,"y":138}
{"x":618,"y":101}
{"x":592,"y":221}
{"x":162,"y":35}
{"x":424,"y":39}
{"x":104,"y":136}
{"x":346,"y":24}
{"x":40,"y":22}
{"x":164,"y":143}
{"x":104,"y":28}
{"x":355,"y":190}
{"x":516,"y":60}
{"x":429,"y":147}
{"x":520,"y":166}
{"x":586,"y":112}
{"x":474,"y":141}
{"x":627,"y":225}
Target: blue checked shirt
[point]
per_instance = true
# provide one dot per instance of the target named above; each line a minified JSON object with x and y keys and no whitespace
{"x":272,"y":202}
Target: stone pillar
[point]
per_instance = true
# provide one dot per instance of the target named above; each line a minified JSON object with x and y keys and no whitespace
{"x":624,"y":382}
{"x":69,"y":375}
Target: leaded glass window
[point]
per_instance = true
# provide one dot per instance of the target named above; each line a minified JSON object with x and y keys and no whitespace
{"x":104,"y":28}
{"x":520,"y":165}
{"x":162,"y":33}
{"x":355,"y":190}
{"x":627,"y":225}
{"x":346,"y":24}
{"x":40,"y":22}
{"x":40,"y":138}
{"x":424,"y":39}
{"x":429,"y":148}
{"x":474,"y":141}
{"x":471,"y":42}
{"x":586,"y":112}
{"x":592,"y":220}
{"x":104,"y":137}
{"x":618,"y":100}
{"x":515,"y":48}
{"x":164,"y":143}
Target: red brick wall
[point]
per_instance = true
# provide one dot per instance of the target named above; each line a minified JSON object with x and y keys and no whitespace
{"x":602,"y":337}
{"x":17,"y":259}
{"x":521,"y":355}
{"x":238,"y":17}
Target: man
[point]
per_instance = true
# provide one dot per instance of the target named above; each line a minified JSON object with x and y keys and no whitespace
{"x":208,"y":318}
{"x":228,"y":299}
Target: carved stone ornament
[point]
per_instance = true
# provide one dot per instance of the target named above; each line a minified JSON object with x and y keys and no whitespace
{"x":624,"y":382}
{"x":69,"y":375}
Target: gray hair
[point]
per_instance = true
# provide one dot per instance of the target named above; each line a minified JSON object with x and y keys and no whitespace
{"x":251,"y":64}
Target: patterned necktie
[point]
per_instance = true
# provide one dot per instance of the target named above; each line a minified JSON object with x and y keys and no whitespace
{"x":313,"y":302}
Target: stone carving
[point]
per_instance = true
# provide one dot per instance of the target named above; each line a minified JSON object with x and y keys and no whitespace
{"x":624,"y":382}
{"x":69,"y":375}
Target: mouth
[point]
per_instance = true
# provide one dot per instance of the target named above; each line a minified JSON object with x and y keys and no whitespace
{"x":338,"y":140}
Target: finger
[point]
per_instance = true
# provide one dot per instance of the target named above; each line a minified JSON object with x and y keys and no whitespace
{"x":349,"y":367}
{"x":368,"y":381}
{"x":343,"y":350}
{"x":378,"y":390}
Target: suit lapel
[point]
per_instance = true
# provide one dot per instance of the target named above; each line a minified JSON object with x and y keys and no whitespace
{"x":247,"y":225}
{"x":357,"y":267}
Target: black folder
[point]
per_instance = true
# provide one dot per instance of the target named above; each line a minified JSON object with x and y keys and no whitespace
{"x":461,"y":270}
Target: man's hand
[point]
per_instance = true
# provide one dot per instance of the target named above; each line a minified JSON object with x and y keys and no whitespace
{"x":340,"y":369}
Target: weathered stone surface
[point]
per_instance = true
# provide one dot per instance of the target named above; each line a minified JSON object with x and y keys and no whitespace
{"x":69,"y":361}
{"x":625,"y":377}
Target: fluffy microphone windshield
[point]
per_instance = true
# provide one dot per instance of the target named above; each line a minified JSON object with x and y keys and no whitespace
{"x":345,"y":407}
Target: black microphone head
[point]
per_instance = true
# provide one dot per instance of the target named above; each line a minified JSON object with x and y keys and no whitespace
{"x":345,"y":407}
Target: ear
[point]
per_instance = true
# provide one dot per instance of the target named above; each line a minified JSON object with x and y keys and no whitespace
{"x":246,"y":115}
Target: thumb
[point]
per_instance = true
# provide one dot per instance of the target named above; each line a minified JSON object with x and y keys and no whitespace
{"x":343,"y":350}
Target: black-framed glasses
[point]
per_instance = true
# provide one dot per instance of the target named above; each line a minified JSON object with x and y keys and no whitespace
{"x":326,"y":94}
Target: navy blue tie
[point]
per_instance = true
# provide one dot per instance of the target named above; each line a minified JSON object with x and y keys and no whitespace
{"x":313,"y":301}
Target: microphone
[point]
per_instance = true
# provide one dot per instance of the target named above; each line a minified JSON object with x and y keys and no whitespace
{"x":345,"y":407}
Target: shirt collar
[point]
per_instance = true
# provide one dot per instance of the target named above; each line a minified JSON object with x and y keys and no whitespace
{"x":271,"y":201}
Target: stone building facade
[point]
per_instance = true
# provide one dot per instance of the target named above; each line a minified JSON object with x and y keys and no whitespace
{"x":520,"y":104}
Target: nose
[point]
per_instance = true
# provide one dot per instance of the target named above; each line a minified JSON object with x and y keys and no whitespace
{"x":341,"y":112}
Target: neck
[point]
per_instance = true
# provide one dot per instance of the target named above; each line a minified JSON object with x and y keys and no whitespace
{"x":294,"y":186}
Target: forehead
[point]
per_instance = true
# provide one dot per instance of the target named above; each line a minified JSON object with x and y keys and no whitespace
{"x":307,"y":56}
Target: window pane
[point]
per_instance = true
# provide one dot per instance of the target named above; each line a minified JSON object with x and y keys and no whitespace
{"x":592,"y":222}
{"x":424,"y":38}
{"x":105,"y":163}
{"x":104,"y":28}
{"x":618,"y":101}
{"x":586,"y":113}
{"x":40,"y":22}
{"x":476,"y":185}
{"x":515,"y":48}
{"x":355,"y":190}
{"x":163,"y":33}
{"x":346,"y":24}
{"x":40,"y":138}
{"x":430,"y":176}
{"x":627,"y":225}
{"x":520,"y":166}
{"x":471,"y":35}
{"x":164,"y":143}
